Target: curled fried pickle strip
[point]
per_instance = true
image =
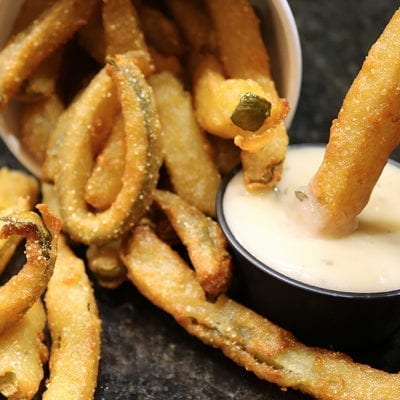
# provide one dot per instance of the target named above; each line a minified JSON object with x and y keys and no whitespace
{"x":245,"y":56}
{"x":361,"y":138}
{"x":31,"y":46}
{"x":50,"y":161}
{"x":186,"y":150}
{"x":105,"y":181}
{"x":74,"y":327}
{"x":19,"y":293}
{"x":205,"y":242}
{"x":142,"y":160}
{"x":19,"y":191}
{"x":22,"y":354}
{"x":123,"y":33}
{"x":247,"y":338}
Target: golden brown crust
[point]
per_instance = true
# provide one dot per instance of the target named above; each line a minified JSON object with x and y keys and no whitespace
{"x":19,"y":293}
{"x":22,"y":354}
{"x":249,"y":339}
{"x":204,"y":240}
{"x":362,"y":137}
{"x":75,"y":328}
{"x":142,"y":161}
{"x":185,"y":147}
{"x":29,"y":48}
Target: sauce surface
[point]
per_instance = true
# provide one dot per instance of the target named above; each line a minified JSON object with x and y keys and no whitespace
{"x":267,"y":225}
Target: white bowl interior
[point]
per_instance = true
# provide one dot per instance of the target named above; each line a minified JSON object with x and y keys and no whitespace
{"x":280,"y":33}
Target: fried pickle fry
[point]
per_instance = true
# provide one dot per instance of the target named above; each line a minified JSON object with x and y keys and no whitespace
{"x":263,"y":169}
{"x":240,"y":43}
{"x":50,"y":161}
{"x":22,"y":354}
{"x":75,"y":329}
{"x":204,"y":240}
{"x":186,"y":151}
{"x":102,"y":120}
{"x":105,"y":181}
{"x":142,"y":161}
{"x":123,"y":33}
{"x":42,"y":81}
{"x":38,"y":120}
{"x":18,"y":191}
{"x":247,"y":338}
{"x":245,"y":56}
{"x":19,"y":293}
{"x":160,"y":31}
{"x":361,"y":139}
{"x":105,"y":263}
{"x":217,"y":98}
{"x":225,"y":153}
{"x":26,"y":50}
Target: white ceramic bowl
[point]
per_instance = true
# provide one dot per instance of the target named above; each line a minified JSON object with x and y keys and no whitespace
{"x":279,"y":31}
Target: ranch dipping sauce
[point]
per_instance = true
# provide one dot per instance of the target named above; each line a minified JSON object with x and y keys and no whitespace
{"x":268,"y":225}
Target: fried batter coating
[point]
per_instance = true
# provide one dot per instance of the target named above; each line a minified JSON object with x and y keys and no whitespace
{"x":32,"y":45}
{"x":142,"y":159}
{"x":186,"y":150}
{"x":361,"y":138}
{"x":75,"y":328}
{"x":22,"y":354}
{"x":18,"y":191}
{"x":19,"y":293}
{"x":204,"y":240}
{"x":249,"y":339}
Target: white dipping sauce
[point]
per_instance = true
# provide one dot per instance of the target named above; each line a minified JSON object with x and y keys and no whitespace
{"x":368,"y":260}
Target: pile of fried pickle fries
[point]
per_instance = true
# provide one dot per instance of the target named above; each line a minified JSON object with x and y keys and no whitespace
{"x":134,"y":111}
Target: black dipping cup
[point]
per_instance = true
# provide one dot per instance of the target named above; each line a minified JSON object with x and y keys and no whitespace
{"x":316,"y":316}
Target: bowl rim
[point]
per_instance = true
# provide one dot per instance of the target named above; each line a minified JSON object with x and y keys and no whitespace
{"x":312,"y":289}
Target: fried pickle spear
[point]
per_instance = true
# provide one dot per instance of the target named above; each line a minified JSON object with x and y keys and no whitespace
{"x":19,"y":191}
{"x":247,"y":338}
{"x":142,"y":160}
{"x":264,"y":168}
{"x":245,"y":56}
{"x":194,"y":24}
{"x":75,"y":328}
{"x":123,"y":33}
{"x":31,"y":46}
{"x":42,"y":81}
{"x":22,"y":354}
{"x":361,"y":138}
{"x":218,"y":99}
{"x":105,"y":181}
{"x":186,"y":150}
{"x":204,"y":241}
{"x":38,"y":120}
{"x":19,"y":293}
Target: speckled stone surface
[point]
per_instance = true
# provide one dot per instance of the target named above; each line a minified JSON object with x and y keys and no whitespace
{"x":146,"y":355}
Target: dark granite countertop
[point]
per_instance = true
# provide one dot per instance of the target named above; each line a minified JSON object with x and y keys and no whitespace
{"x":146,"y":355}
